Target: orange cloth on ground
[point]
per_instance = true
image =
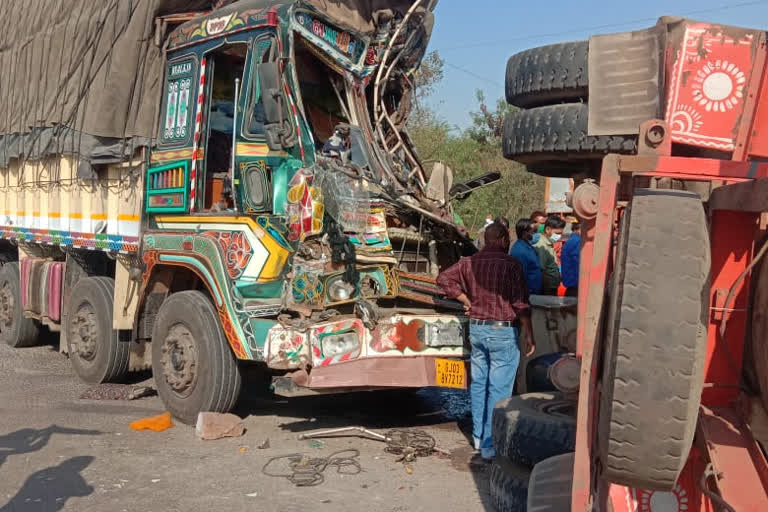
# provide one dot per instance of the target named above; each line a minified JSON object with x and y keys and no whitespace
{"x":157,"y":423}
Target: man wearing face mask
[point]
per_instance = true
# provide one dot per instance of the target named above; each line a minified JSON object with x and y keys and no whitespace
{"x":539,"y":219}
{"x":553,"y":230}
{"x":524,"y":252}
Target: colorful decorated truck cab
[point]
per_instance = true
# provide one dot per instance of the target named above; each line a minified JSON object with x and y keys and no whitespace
{"x":275,"y":215}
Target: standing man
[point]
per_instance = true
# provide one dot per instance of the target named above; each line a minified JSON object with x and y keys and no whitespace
{"x":481,"y":233}
{"x":524,"y":252}
{"x":570,"y":261}
{"x":539,"y":219}
{"x":553,"y":230}
{"x":491,"y":286}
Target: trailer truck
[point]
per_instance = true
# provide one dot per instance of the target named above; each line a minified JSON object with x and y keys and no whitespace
{"x":202,"y":188}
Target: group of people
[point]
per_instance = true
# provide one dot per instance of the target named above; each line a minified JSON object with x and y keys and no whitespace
{"x":494,"y":286}
{"x":549,"y":263}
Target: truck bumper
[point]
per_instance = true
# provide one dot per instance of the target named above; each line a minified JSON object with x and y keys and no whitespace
{"x":366,"y":374}
{"x":401,"y":372}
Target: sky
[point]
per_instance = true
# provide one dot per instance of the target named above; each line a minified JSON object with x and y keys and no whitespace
{"x":476,"y":37}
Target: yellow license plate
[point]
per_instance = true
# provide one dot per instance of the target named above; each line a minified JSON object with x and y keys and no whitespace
{"x":450,"y":373}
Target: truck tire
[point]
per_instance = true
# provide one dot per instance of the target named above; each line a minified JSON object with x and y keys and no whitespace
{"x":95,"y":349}
{"x":15,"y":330}
{"x":193,"y":366}
{"x":553,"y":140}
{"x":757,"y":346}
{"x":532,"y":427}
{"x":656,"y":337}
{"x":549,"y":74}
{"x":509,"y":486}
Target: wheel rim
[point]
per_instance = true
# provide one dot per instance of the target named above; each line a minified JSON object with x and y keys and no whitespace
{"x":7,"y":307}
{"x":85,"y":333}
{"x":179,"y":360}
{"x":558,"y":408}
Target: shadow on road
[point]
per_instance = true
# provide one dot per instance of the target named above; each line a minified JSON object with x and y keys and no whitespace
{"x":49,"y":489}
{"x":29,"y":440}
{"x":373,"y":409}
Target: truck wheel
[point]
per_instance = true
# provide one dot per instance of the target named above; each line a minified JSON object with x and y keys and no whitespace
{"x":194,"y":368}
{"x":548,"y":74}
{"x":15,"y":330}
{"x":656,"y":340}
{"x":553,"y":140}
{"x":758,"y":348}
{"x":532,"y":427}
{"x":95,"y":349}
{"x":509,"y":486}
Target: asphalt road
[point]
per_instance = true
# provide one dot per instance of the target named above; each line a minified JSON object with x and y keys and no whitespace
{"x":61,"y":452}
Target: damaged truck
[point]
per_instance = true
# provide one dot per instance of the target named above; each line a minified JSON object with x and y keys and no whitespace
{"x":204,"y":187}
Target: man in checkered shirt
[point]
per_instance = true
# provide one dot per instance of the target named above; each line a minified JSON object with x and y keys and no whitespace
{"x":491,"y":285}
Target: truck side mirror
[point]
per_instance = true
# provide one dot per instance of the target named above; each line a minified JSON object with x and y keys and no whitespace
{"x":269,"y":83}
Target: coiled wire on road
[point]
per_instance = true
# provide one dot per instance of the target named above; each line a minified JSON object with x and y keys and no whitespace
{"x":308,"y":471}
{"x":409,"y":444}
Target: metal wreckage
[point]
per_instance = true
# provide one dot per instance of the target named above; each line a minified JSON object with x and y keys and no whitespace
{"x":200,"y":187}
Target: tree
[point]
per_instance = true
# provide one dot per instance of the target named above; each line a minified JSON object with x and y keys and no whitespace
{"x":486,"y":124}
{"x":426,"y":77}
{"x":474,"y":152}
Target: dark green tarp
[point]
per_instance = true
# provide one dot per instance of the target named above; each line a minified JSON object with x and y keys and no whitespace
{"x":83,"y":76}
{"x":79,"y":76}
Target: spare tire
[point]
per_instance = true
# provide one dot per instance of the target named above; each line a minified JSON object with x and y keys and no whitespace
{"x":553,"y":140}
{"x":535,"y":426}
{"x":548,"y":74}
{"x":655,"y":341}
{"x":509,"y":486}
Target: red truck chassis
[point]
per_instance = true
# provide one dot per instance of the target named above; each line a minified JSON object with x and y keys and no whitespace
{"x":726,"y":468}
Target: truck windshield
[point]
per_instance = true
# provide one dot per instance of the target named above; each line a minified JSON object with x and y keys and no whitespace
{"x":320,"y":91}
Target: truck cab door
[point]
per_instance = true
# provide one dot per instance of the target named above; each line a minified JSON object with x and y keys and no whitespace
{"x":258,"y":183}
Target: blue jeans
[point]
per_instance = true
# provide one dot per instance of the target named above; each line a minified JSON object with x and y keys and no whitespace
{"x":495,"y":356}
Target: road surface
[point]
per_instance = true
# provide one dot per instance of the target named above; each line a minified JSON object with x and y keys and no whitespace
{"x":61,"y":452}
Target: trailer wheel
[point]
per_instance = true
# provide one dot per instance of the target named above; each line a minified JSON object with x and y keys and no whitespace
{"x":553,"y":140}
{"x":509,"y":486}
{"x":757,"y":345}
{"x":656,"y":336}
{"x":95,"y":349}
{"x":15,"y":330}
{"x":548,"y":74}
{"x":533,"y":427}
{"x":194,"y":368}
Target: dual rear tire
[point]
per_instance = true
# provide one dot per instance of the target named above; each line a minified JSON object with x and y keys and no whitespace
{"x":15,"y":330}
{"x":549,"y":134}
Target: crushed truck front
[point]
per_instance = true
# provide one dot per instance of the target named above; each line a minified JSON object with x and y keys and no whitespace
{"x":320,"y":245}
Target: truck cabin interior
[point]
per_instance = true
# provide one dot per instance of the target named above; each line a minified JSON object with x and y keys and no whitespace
{"x":225,"y":64}
{"x":321,"y":89}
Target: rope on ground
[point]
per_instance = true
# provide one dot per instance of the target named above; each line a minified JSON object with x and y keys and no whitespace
{"x":308,"y":471}
{"x":409,"y":444}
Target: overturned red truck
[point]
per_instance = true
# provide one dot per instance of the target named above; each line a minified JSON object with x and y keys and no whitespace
{"x":665,"y":133}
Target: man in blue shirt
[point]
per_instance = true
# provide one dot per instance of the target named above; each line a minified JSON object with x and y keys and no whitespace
{"x":526,"y":255}
{"x":569,"y":259}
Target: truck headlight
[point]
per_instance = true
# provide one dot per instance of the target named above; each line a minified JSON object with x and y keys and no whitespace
{"x":445,"y":334}
{"x":340,"y":290}
{"x":340,"y":344}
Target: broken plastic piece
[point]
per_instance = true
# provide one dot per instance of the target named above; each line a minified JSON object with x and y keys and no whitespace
{"x":155,"y":423}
